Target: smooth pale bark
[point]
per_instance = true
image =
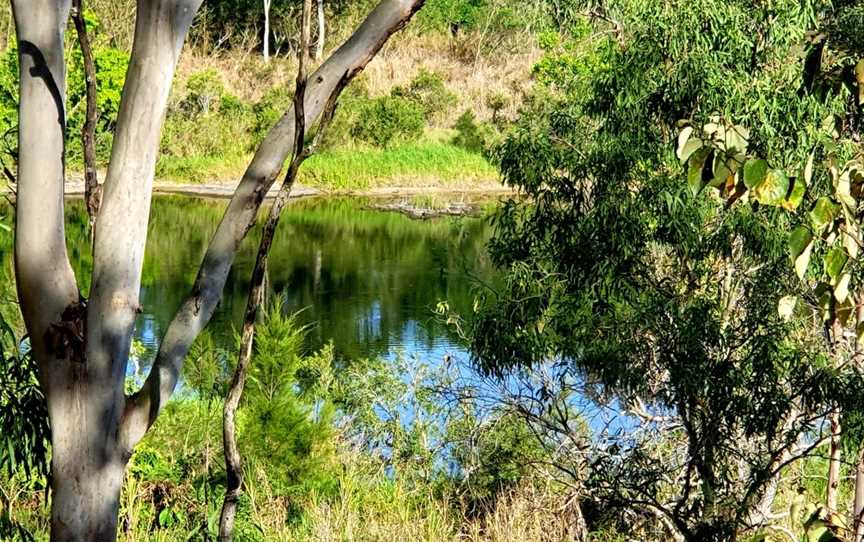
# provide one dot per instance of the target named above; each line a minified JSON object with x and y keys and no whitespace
{"x":322,"y":29}
{"x":386,"y":19}
{"x":82,"y":366}
{"x":858,"y":504}
{"x":82,"y":347}
{"x":266,"y":30}
{"x":46,"y":283}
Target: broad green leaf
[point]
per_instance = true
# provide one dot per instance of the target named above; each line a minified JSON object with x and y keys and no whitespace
{"x":786,"y":307}
{"x":685,"y":152}
{"x":835,"y":261}
{"x":851,"y":234}
{"x":755,"y":172}
{"x":773,"y":189}
{"x":856,"y":180}
{"x":697,"y":164}
{"x":800,"y":247}
{"x":850,"y":243}
{"x":683,"y":139}
{"x":720,"y":170}
{"x":841,"y":291}
{"x":824,"y":296}
{"x":844,"y":311}
{"x":796,"y":196}
{"x":823,"y":213}
{"x":843,"y":190}
{"x":736,"y":139}
{"x":808,"y":169}
{"x":713,"y":127}
{"x":859,"y":78}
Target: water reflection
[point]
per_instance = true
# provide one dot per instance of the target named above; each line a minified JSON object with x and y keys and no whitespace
{"x":368,"y":280}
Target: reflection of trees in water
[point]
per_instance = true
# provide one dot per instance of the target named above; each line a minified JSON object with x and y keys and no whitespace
{"x":365,"y":276}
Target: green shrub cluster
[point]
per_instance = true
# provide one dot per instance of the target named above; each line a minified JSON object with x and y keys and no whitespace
{"x":472,"y":135}
{"x":428,"y":91}
{"x":389,"y":119}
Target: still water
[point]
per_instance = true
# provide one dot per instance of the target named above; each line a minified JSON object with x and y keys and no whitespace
{"x":367,"y":280}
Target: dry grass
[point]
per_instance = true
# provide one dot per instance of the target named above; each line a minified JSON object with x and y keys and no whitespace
{"x":474,"y":78}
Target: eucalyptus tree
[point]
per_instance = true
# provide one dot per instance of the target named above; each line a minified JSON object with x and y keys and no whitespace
{"x":82,"y":345}
{"x":822,"y":192}
{"x":615,"y":268}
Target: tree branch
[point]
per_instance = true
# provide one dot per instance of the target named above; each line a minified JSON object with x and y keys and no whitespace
{"x":195,"y":312}
{"x":92,"y":191}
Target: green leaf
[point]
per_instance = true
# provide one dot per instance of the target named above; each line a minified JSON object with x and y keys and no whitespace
{"x":808,"y":169}
{"x":755,"y":172}
{"x":799,"y":188}
{"x":841,"y":291}
{"x":686,"y":146}
{"x":697,"y":164}
{"x":736,"y":139}
{"x":835,"y":261}
{"x":843,"y":190}
{"x":721,"y":171}
{"x":823,"y":213}
{"x":800,"y":247}
{"x":824,"y":296}
{"x":844,"y":311}
{"x":685,"y":152}
{"x":773,"y":189}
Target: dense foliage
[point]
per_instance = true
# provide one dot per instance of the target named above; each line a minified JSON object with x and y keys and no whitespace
{"x":662,"y":298}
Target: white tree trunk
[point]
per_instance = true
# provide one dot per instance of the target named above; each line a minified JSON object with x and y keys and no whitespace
{"x":266,"y":30}
{"x":82,"y":367}
{"x":82,"y":347}
{"x":858,"y":504}
{"x":319,"y":43}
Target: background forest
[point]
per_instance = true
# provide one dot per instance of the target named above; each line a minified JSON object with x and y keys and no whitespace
{"x":671,"y":349}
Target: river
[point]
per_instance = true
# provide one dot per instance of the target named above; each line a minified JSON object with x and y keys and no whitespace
{"x":365,"y":279}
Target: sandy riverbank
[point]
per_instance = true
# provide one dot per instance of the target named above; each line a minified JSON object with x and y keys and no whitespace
{"x":75,"y":188}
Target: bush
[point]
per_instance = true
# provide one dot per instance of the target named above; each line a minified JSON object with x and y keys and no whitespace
{"x":354,"y":98}
{"x":388,"y":119}
{"x":269,"y":110}
{"x":428,"y":91}
{"x":204,"y":92}
{"x":471,"y":135}
{"x":111,"y":65}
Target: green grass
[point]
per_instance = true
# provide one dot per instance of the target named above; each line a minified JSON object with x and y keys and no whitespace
{"x":202,"y":169}
{"x":421,"y":163}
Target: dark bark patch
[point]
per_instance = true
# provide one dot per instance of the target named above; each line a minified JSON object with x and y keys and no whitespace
{"x":65,"y":339}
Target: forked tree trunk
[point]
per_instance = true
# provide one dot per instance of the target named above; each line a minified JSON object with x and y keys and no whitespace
{"x":82,"y":346}
{"x":82,"y":367}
